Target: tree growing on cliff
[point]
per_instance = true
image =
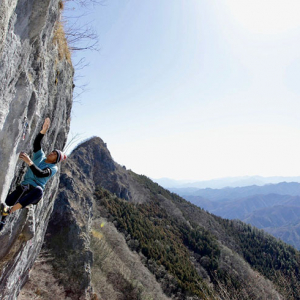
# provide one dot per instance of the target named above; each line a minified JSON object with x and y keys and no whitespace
{"x":80,"y":35}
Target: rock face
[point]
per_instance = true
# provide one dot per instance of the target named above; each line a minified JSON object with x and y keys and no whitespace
{"x":36,"y":82}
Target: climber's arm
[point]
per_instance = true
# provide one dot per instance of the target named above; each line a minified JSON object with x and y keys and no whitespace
{"x":40,"y":172}
{"x":35,"y":170}
{"x":37,"y":145}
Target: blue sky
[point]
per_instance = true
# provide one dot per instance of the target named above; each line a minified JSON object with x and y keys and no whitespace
{"x":191,"y":89}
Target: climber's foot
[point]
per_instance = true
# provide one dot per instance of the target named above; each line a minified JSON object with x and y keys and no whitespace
{"x":4,"y":210}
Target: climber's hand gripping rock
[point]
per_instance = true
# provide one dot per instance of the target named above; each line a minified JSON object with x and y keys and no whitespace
{"x":24,"y":156}
{"x":45,"y":126}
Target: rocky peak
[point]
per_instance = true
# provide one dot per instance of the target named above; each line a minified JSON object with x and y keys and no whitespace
{"x":94,"y":157}
{"x":97,"y":163}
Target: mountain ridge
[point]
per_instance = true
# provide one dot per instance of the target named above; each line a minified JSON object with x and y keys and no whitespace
{"x":219,"y":183}
{"x":231,"y":193}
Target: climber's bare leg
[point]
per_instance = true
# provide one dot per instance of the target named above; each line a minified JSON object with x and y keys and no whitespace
{"x":15,"y":207}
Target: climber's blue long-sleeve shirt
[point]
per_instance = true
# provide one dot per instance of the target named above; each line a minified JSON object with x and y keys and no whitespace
{"x":40,"y":172}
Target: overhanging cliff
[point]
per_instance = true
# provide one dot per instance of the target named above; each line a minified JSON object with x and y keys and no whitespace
{"x":36,"y":81}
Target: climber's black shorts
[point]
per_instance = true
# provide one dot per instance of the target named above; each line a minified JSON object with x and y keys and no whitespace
{"x":25,"y":195}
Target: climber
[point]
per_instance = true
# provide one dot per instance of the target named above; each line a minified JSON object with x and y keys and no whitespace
{"x":41,"y":169}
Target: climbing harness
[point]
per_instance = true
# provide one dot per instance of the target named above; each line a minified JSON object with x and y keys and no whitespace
{"x":25,"y":128}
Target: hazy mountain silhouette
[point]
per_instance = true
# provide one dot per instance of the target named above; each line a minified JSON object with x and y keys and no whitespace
{"x":273,"y":207}
{"x":225,"y":194}
{"x":224,"y":182}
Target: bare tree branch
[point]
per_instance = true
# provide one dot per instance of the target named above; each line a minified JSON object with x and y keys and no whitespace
{"x":80,"y":37}
{"x":74,"y":139}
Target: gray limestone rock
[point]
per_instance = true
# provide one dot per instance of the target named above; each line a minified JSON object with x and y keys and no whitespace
{"x":29,"y":227}
{"x":35,"y":83}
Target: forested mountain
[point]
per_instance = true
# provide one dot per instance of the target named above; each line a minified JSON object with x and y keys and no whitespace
{"x":115,"y":234}
{"x":275,"y":213}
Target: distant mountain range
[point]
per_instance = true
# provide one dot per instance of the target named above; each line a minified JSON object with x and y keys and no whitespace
{"x":229,"y":193}
{"x":273,"y":207}
{"x":224,"y":182}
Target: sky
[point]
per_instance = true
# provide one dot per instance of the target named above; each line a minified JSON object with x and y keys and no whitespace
{"x":194,"y":89}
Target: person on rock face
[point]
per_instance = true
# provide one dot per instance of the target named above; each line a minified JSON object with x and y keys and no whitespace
{"x":41,"y":169}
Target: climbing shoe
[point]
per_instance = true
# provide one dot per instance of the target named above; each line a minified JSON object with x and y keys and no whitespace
{"x":2,"y":223}
{"x":4,"y":210}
